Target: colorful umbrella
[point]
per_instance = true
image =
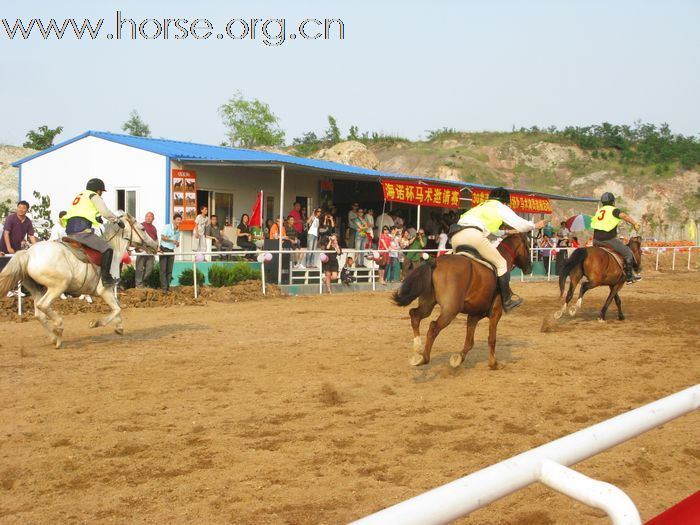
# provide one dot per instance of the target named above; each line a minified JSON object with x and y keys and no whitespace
{"x":579,"y":223}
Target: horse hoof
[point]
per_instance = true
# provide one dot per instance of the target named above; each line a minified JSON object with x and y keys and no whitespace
{"x":94,"y":324}
{"x":456,"y":360}
{"x":572,"y":311}
{"x":416,"y":360}
{"x":58,"y":332}
{"x":57,"y":343}
{"x":119,"y":331}
{"x":497,"y":366}
{"x":558,"y":314}
{"x":601,"y":320}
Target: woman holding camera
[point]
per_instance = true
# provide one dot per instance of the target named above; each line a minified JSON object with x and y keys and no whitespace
{"x":330,"y":266}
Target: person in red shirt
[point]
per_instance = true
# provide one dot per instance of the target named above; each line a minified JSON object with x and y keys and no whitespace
{"x":144,"y":263}
{"x":575,"y":243}
{"x":298,"y":220}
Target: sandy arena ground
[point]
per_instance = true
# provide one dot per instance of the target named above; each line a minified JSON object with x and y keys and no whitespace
{"x":305,"y":410}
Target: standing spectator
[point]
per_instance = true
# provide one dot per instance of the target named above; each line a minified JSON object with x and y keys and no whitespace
{"x":268,"y":228}
{"x":574,"y":242}
{"x":294,"y":243}
{"x":360,"y":236}
{"x":352,"y":225}
{"x":546,"y":244}
{"x":330,"y":267}
{"x":384,"y":247}
{"x":563,"y":230}
{"x":244,"y":237}
{"x":369,"y":219}
{"x":442,"y":242}
{"x":412,"y":259}
{"x":169,"y":240}
{"x":297,"y":214}
{"x":16,"y":228}
{"x":144,"y":263}
{"x":392,"y":269}
{"x":314,"y":223}
{"x":200,"y":227}
{"x":383,"y":220}
{"x":337,"y":223}
{"x":327,"y":225}
{"x":219,"y":240}
{"x":58,"y":232}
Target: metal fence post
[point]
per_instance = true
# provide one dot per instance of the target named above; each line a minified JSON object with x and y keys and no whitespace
{"x":658,"y":251}
{"x":673,"y":260}
{"x":690,"y":251}
{"x":19,"y":299}
{"x":194,"y":275}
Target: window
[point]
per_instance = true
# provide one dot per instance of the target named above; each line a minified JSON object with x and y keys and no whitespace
{"x":126,"y":201}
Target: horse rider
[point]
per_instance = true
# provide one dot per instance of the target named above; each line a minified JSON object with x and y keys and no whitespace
{"x":87,"y":211}
{"x":604,"y":225}
{"x":487,"y":219}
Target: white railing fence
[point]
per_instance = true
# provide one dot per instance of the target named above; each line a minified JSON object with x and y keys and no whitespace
{"x":547,"y":464}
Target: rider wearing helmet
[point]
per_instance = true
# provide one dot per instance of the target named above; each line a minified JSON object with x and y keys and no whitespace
{"x":487,"y":219}
{"x":88,"y":210}
{"x":604,"y":225}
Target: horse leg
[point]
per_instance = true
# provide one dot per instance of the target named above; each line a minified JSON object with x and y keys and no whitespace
{"x":108,"y":295}
{"x":43,"y":319}
{"x":573,"y":283}
{"x":445,"y":318}
{"x":618,"y":303}
{"x":424,"y":309}
{"x":43,"y":304}
{"x":458,"y":359}
{"x":585,"y":286}
{"x":604,"y":310}
{"x":496,"y":313}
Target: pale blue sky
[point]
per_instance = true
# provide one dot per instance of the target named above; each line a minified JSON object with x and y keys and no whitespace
{"x":404,"y":67}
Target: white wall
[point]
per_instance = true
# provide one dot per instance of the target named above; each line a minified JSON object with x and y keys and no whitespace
{"x":62,"y":174}
{"x":246,"y":183}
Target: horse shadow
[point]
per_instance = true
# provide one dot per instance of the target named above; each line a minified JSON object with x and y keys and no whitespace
{"x":439,"y":365}
{"x":136,"y":336}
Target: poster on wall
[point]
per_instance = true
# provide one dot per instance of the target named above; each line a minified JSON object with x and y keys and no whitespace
{"x":184,"y":196}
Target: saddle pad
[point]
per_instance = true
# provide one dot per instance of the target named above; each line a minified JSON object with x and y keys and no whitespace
{"x":615,"y":255}
{"x":81,"y":252}
{"x":462,"y":250}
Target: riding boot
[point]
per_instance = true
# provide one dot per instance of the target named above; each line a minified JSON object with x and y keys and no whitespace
{"x":107,"y":279}
{"x":506,"y":294}
{"x":629,"y":273}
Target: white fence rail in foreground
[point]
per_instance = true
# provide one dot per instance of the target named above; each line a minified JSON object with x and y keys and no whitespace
{"x":548,"y":464}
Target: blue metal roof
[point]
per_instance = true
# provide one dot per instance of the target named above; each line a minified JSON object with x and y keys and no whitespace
{"x":190,"y":151}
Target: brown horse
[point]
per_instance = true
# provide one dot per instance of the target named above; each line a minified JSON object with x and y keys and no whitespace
{"x":459,"y":285}
{"x":594,"y":267}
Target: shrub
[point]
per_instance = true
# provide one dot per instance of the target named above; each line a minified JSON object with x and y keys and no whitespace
{"x":225,"y":275}
{"x":187,"y":278}
{"x":128,"y":277}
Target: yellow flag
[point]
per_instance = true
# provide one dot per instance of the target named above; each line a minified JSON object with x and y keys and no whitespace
{"x":691,"y":230}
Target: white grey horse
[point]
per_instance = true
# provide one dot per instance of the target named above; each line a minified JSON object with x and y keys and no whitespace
{"x":50,"y":268}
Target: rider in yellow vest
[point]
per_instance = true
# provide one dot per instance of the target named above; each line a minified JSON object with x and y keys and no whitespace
{"x":88,"y":210}
{"x":487,"y":219}
{"x":604,"y":224}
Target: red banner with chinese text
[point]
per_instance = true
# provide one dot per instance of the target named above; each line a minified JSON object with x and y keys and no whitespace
{"x":518,"y":202}
{"x":420,"y":194}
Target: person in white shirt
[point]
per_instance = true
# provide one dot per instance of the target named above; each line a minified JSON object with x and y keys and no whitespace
{"x":484,"y":220}
{"x":58,"y":232}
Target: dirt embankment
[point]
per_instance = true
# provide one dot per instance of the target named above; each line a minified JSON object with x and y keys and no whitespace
{"x":144,"y":298}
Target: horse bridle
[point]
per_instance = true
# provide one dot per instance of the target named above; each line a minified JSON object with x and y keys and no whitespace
{"x":132,"y":230}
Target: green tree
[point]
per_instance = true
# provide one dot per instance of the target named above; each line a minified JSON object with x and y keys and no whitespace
{"x":42,"y":138}
{"x":135,"y":126}
{"x":333,"y":132}
{"x":354,"y":133}
{"x":250,"y":123}
{"x":41,"y":215}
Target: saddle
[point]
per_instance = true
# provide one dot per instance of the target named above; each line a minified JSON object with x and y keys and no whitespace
{"x":83,"y":253}
{"x":471,"y":253}
{"x":616,"y":256}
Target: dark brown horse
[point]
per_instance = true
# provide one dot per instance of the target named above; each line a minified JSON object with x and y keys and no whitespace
{"x":594,"y":267}
{"x":459,"y":285}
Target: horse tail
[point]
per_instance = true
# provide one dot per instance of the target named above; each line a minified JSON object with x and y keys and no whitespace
{"x":417,"y":282}
{"x":574,"y":260}
{"x":14,"y":272}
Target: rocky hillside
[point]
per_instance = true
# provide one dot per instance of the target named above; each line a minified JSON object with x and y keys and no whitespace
{"x":664,"y":199}
{"x":8,"y":174}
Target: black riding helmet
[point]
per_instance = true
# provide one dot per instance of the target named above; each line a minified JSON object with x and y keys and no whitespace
{"x":501,"y":195}
{"x":95,"y":185}
{"x":607,"y":199}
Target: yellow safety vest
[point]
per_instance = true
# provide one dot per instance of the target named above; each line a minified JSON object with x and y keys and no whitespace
{"x":487,"y":212}
{"x":82,"y":207}
{"x":604,"y":220}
